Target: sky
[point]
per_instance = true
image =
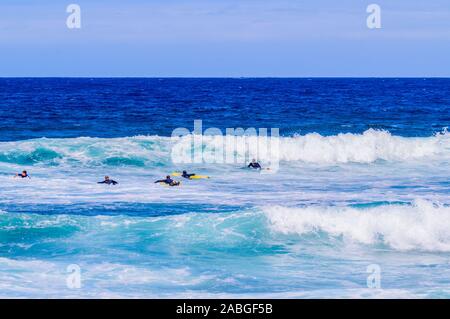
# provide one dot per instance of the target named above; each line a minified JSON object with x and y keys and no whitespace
{"x":225,"y":38}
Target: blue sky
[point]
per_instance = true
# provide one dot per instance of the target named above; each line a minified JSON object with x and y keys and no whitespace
{"x":286,"y":38}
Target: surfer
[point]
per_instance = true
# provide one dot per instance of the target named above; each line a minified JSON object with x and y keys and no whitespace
{"x":254,"y":164}
{"x":186,"y":175}
{"x":24,"y":174}
{"x":168,"y":181}
{"x":108,"y":181}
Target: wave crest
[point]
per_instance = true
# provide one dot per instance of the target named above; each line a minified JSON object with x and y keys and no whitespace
{"x":420,"y":226}
{"x":371,"y":146}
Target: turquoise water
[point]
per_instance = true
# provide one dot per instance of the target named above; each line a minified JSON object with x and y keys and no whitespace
{"x":344,"y":197}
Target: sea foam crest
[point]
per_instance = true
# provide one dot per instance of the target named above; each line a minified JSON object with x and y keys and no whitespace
{"x":368,"y":147}
{"x":421,"y":226}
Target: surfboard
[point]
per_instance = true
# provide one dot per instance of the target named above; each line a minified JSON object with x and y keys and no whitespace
{"x":167,"y":185}
{"x":193,"y":177}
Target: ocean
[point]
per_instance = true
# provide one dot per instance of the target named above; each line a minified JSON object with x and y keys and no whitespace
{"x":358,"y":208}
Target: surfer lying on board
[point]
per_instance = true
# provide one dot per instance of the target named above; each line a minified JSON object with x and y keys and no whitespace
{"x":24,"y":174}
{"x":168,"y":181}
{"x":108,"y":181}
{"x":186,"y":175}
{"x":254,"y":164}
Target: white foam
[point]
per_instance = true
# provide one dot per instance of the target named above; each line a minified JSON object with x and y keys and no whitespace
{"x":368,"y":147}
{"x":26,"y":279}
{"x":421,"y":226}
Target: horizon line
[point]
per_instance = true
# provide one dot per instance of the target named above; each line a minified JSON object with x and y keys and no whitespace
{"x":225,"y":77}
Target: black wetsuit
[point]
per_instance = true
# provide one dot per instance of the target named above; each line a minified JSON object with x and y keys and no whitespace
{"x":168,"y":181}
{"x":254,"y":165}
{"x":108,"y":182}
{"x":186,"y":175}
{"x":22,"y":176}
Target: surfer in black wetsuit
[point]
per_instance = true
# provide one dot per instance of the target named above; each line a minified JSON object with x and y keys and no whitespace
{"x":186,"y":175}
{"x":168,"y":181}
{"x":254,"y":164}
{"x":108,"y":181}
{"x":24,"y":174}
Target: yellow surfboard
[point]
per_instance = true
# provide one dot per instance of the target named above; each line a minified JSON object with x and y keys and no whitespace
{"x":192,"y":177}
{"x":167,"y":185}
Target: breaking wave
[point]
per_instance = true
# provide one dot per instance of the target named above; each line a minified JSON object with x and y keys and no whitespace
{"x":422,"y":225}
{"x":145,"y":151}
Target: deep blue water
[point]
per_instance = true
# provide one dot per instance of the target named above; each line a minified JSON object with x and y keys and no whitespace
{"x":363,"y":179}
{"x":63,"y":107}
